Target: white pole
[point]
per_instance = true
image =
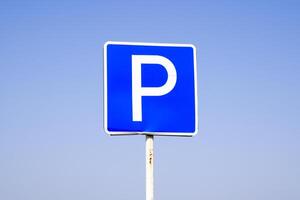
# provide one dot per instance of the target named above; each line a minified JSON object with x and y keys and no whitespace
{"x":149,"y":168}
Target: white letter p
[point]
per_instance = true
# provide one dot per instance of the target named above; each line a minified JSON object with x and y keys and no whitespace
{"x":138,"y":91}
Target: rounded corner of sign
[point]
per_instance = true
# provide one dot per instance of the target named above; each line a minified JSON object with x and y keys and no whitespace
{"x":194,"y":133}
{"x":107,"y":43}
{"x":192,"y":46}
{"x":107,"y":131}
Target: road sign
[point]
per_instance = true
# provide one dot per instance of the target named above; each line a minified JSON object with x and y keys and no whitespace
{"x":150,"y":89}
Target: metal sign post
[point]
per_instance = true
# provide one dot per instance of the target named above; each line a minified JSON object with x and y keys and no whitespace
{"x":149,"y":167}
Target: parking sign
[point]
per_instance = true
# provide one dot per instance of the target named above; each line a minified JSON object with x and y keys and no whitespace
{"x":150,"y":89}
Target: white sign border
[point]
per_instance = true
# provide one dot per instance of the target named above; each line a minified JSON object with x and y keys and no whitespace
{"x":120,"y":133}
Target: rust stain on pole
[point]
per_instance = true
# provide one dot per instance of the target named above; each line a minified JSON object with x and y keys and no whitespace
{"x":150,"y":157}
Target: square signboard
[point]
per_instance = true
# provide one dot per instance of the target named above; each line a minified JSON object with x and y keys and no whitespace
{"x":150,"y":88}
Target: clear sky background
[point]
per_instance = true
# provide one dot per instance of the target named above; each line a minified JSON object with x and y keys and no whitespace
{"x":52,"y":145}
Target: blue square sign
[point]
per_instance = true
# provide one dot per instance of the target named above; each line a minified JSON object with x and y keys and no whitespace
{"x":150,"y":88}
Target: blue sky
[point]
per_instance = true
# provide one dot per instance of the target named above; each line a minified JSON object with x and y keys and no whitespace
{"x":52,"y":145}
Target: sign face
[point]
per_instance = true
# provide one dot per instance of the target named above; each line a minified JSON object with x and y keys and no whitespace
{"x":150,"y":88}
